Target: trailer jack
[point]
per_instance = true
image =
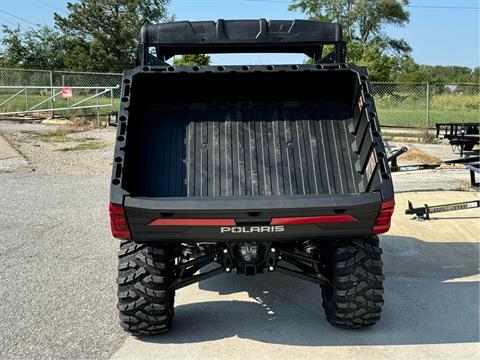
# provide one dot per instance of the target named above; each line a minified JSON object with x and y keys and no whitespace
{"x":423,"y":213}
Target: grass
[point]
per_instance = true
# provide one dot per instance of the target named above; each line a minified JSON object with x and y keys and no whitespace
{"x":52,"y":137}
{"x":19,"y":104}
{"x":59,"y":135}
{"x":401,"y":134}
{"x":416,"y":118}
{"x":429,"y":138}
{"x":48,"y":137}
{"x":414,"y":136}
{"x":411,"y":111}
{"x":75,"y":127}
{"x":92,"y":145}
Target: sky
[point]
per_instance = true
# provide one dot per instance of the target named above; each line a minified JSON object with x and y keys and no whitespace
{"x":441,"y":32}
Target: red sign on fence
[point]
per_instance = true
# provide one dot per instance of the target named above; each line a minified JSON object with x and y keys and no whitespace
{"x":67,"y":93}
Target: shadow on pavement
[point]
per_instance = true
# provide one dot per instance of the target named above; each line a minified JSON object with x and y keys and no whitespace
{"x":420,"y":307}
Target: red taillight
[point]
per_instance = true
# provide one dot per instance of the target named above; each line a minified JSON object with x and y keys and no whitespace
{"x":118,"y":222}
{"x":193,"y":222}
{"x":384,"y":217}
{"x":305,"y":220}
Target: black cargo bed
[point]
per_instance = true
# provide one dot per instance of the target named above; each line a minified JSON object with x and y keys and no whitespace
{"x":209,"y":153}
{"x":242,"y":133}
{"x":247,"y":149}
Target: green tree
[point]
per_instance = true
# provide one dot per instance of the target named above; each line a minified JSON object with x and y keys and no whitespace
{"x":406,"y":70}
{"x":475,"y":75}
{"x":37,"y":48}
{"x":380,"y":65}
{"x":103,"y":34}
{"x":448,"y":74}
{"x":362,"y":20}
{"x":192,"y":60}
{"x":13,"y":50}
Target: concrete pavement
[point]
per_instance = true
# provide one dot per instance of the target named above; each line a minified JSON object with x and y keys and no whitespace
{"x":57,"y":268}
{"x":10,"y":159}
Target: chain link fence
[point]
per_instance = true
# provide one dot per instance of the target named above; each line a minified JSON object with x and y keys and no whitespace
{"x":423,"y":105}
{"x":398,"y":104}
{"x":86,"y":85}
{"x":22,"y":77}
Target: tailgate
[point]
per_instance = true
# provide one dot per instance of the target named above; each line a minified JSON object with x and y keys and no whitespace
{"x":268,"y":218}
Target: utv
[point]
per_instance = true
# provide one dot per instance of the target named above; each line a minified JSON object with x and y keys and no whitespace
{"x":248,"y":169}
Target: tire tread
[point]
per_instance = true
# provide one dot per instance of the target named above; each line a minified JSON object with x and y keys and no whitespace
{"x":145,"y":302}
{"x":356,"y":297}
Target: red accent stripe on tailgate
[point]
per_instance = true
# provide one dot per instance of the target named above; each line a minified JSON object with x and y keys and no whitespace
{"x":313,"y":220}
{"x":193,"y":222}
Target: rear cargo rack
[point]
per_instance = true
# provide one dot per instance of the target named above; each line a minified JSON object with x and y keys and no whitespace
{"x":160,"y":42}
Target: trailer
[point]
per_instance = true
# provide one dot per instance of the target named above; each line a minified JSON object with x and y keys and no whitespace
{"x":461,"y":135}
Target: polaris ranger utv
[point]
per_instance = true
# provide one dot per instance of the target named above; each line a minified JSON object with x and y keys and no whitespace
{"x":248,"y":169}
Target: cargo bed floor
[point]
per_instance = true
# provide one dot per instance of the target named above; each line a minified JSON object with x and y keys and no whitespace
{"x":242,"y":150}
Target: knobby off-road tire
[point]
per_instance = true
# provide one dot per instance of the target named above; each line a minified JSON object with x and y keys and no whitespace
{"x":355,"y":298}
{"x":144,"y":301}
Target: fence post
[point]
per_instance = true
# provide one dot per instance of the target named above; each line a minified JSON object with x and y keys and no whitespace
{"x":52,"y":93}
{"x":98,"y":112}
{"x":427,"y":120}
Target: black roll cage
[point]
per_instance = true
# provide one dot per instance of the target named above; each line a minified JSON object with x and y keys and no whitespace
{"x":240,"y":36}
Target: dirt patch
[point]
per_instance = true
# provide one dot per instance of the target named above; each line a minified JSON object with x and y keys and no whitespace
{"x":416,"y":156}
{"x":404,"y":139}
{"x":66,"y":149}
{"x":421,"y":137}
{"x":92,"y":145}
{"x":78,"y":125}
{"x":55,"y":137}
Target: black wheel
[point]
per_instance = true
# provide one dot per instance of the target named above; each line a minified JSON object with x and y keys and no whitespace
{"x":145,"y":302}
{"x":355,"y":298}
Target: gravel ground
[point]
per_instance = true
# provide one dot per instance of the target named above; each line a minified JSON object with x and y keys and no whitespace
{"x":436,"y":179}
{"x":443,"y":150}
{"x":428,"y":180}
{"x":51,"y":158}
{"x":9,"y":127}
